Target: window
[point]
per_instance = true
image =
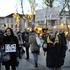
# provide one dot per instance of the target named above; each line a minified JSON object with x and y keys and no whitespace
{"x":52,"y":22}
{"x":1,"y":20}
{"x":9,"y":20}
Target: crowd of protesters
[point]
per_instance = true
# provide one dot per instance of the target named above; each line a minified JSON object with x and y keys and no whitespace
{"x":12,"y":47}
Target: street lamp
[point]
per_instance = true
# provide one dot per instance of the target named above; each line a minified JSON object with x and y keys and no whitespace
{"x":62,"y":26}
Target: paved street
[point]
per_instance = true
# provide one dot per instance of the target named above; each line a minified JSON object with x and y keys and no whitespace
{"x":35,"y":22}
{"x":29,"y":64}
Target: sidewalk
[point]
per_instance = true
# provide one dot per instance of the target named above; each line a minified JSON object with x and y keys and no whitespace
{"x":29,"y":64}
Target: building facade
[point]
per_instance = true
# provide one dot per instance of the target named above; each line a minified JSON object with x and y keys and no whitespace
{"x":48,"y":17}
{"x":9,"y":21}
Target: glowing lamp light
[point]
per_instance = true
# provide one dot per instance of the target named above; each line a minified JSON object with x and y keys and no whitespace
{"x":39,"y":30}
{"x":54,"y":27}
{"x":69,"y":26}
{"x":29,"y":29}
{"x":61,"y":25}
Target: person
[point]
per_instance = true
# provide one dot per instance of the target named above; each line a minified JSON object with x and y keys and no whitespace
{"x":21,"y":49}
{"x":11,"y":48}
{"x":55,"y":55}
{"x":35,"y":47}
{"x":25,"y":38}
{"x":63,"y":42}
{"x":1,"y":44}
{"x":62,"y":37}
{"x":44,"y":36}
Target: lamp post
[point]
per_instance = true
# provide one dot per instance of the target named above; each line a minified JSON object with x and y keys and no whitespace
{"x":22,"y":6}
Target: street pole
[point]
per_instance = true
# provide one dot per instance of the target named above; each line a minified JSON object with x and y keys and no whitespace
{"x":67,"y":25}
{"x":22,"y":6}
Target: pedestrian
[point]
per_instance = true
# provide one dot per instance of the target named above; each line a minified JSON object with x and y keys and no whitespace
{"x":21,"y":49}
{"x":35,"y":47}
{"x":55,"y":55}
{"x":1,"y":45}
{"x":63,"y":42}
{"x":25,"y":38}
{"x":10,"y":50}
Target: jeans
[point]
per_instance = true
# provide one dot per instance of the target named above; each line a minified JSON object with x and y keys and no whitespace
{"x":35,"y":57}
{"x":27,"y":52}
{"x":54,"y":68}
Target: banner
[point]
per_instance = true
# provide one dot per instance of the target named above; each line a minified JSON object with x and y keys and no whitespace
{"x":10,"y":47}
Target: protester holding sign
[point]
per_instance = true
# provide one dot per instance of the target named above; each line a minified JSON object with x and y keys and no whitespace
{"x":10,"y":50}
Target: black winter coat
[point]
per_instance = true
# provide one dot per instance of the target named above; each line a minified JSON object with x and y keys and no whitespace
{"x":13,"y":55}
{"x":63,"y":43}
{"x":55,"y":55}
{"x":25,"y":38}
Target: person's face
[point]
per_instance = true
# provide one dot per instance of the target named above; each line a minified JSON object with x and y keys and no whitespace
{"x":8,"y":32}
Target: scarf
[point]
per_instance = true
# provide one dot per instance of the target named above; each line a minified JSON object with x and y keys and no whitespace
{"x":53,"y":42}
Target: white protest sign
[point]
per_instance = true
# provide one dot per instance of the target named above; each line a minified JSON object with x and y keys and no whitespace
{"x":10,"y":47}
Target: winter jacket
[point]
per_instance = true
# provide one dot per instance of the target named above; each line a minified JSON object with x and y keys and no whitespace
{"x":54,"y":56}
{"x":35,"y":45}
{"x":25,"y":38}
{"x":63,"y":43}
{"x":62,"y":37}
{"x":13,"y":55}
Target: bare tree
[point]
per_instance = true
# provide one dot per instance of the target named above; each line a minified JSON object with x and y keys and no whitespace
{"x":49,"y":2}
{"x":22,"y":6}
{"x":32,"y":4}
{"x":66,"y":4}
